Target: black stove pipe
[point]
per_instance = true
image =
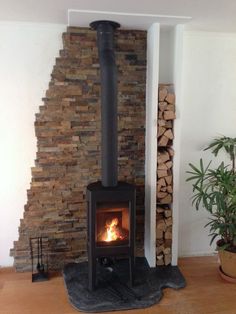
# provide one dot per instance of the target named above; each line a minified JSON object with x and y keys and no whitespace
{"x":108,"y":73}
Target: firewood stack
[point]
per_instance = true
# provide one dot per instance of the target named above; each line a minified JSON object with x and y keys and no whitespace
{"x":165,"y":136}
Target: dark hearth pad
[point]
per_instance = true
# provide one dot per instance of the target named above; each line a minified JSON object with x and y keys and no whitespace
{"x":113,"y":291}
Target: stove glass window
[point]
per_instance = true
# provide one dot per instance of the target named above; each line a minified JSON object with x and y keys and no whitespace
{"x":112,"y":224}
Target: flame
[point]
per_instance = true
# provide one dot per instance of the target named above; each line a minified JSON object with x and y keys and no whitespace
{"x":112,"y":231}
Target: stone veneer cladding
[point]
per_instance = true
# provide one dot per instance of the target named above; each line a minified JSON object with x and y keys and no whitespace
{"x":68,"y":144}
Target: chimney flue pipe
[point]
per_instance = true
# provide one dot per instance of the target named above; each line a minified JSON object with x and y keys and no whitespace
{"x":108,"y":74}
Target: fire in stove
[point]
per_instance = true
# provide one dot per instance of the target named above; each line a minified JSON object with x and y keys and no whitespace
{"x":113,"y":232}
{"x":112,"y":224}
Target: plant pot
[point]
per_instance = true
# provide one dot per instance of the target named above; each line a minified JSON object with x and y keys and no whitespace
{"x":228,"y":262}
{"x":225,"y":277}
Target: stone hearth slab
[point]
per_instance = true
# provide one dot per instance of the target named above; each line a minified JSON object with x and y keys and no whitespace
{"x":113,"y":291}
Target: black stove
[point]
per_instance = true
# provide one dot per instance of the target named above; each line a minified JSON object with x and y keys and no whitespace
{"x":111,"y":204}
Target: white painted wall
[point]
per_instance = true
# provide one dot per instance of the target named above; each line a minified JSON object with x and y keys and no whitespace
{"x":27,"y":56}
{"x":178,"y":86}
{"x":167,"y":54}
{"x":151,"y":143}
{"x":209,"y":109}
{"x":170,"y":72}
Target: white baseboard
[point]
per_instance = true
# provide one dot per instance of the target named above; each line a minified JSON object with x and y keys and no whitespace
{"x":198,"y":254}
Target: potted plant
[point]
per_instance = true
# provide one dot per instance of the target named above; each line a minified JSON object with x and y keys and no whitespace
{"x":215,"y":190}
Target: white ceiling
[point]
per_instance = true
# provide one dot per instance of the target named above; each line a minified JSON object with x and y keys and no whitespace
{"x":210,"y":15}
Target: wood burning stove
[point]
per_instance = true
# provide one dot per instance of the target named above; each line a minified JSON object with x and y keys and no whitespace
{"x":111,"y":224}
{"x":111,"y":204}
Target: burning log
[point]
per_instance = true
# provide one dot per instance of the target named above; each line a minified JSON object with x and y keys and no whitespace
{"x":113,"y":232}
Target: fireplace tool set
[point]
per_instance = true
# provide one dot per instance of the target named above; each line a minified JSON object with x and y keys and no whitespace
{"x":39,"y":258}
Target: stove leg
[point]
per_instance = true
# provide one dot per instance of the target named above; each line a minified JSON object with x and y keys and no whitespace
{"x":131,"y":269}
{"x":92,"y":273}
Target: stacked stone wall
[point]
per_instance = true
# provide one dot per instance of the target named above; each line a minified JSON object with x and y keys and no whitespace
{"x":67,"y":128}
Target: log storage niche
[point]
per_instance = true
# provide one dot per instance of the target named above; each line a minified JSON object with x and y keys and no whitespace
{"x":165,"y":136}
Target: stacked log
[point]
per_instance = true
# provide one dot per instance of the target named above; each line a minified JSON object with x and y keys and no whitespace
{"x":165,"y":136}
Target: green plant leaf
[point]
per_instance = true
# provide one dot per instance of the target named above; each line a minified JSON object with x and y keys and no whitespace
{"x":223,"y":247}
{"x":215,"y":190}
{"x":195,"y":168}
{"x":213,"y":237}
